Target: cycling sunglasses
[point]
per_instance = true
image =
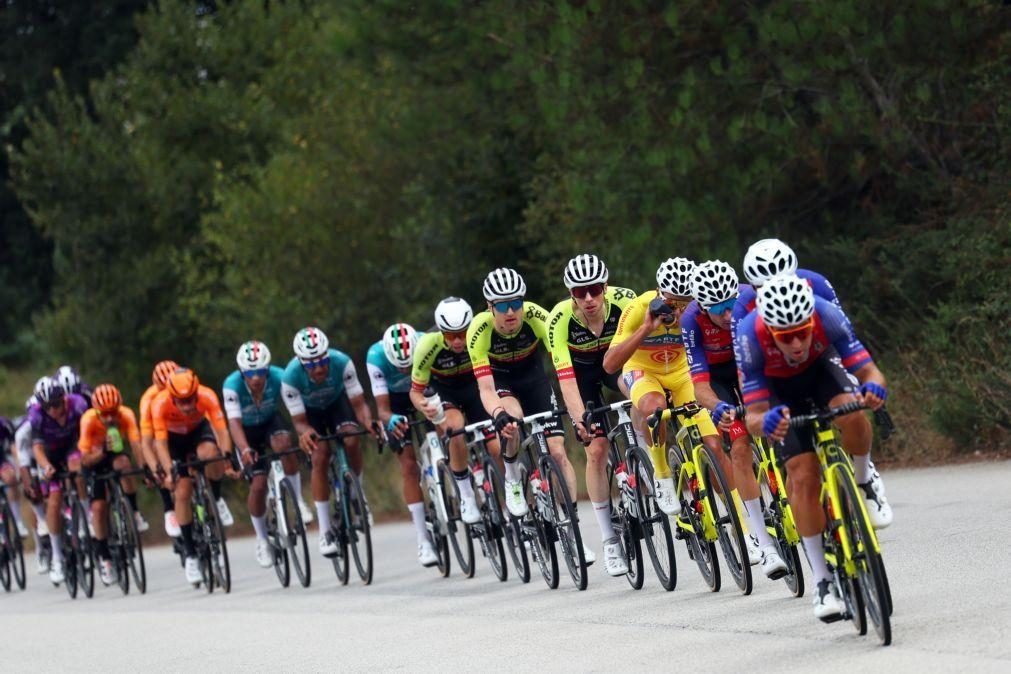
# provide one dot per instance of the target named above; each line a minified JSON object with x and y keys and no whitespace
{"x":722,"y":307}
{"x":678,"y":303}
{"x":797,"y":332}
{"x":54,"y":404}
{"x":258,"y":372}
{"x":592,"y":290}
{"x":450,"y":335}
{"x":504,"y":307}
{"x":318,"y":363}
{"x":185,"y":401}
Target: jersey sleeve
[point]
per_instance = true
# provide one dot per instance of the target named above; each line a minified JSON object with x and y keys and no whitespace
{"x":558,"y":339}
{"x":632,"y":317}
{"x":750,"y":363}
{"x":230,"y":397}
{"x":425,"y":352}
{"x":292,"y":399}
{"x":619,"y":296}
{"x":158,"y":423}
{"x":208,"y":404}
{"x":87,"y":438}
{"x":352,"y":386}
{"x":377,"y":380}
{"x":839,"y":332}
{"x":745,"y":299}
{"x":23,"y":441}
{"x":537,"y":318}
{"x":691,"y":333}
{"x":479,"y":342}
{"x":128,"y":423}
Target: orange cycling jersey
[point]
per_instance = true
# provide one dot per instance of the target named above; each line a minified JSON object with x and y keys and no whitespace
{"x":167,"y":418}
{"x":94,"y":430}
{"x":146,"y":428}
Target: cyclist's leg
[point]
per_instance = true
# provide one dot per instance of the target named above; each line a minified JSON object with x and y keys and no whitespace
{"x":181,"y":449}
{"x":647,"y":395}
{"x":596,"y":457}
{"x":535,"y":394}
{"x":100,"y":509}
{"x":683,"y":391}
{"x":9,"y":478}
{"x":514,"y":409}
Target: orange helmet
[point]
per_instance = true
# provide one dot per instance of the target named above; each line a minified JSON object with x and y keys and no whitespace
{"x":183,"y":383}
{"x":162,"y":371}
{"x":106,"y":398}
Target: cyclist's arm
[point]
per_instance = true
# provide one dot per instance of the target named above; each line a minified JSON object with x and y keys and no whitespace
{"x":489,"y":397}
{"x":619,"y":353}
{"x":39,"y":450}
{"x":383,"y":410}
{"x":214,"y":414}
{"x":755,"y":417}
{"x":238,"y":434}
{"x":233,"y":410}
{"x":362,"y":410}
{"x":161,"y":451}
{"x":570,"y":394}
{"x":561,"y":358}
{"x":478,"y":344}
{"x":92,"y":457}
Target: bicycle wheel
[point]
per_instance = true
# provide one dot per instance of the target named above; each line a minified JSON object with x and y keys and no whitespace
{"x":493,"y":523}
{"x":341,"y":561}
{"x":689,"y":524}
{"x":565,"y":520}
{"x":278,"y":544}
{"x":512,"y":526}
{"x":653,"y":522}
{"x":133,"y":550}
{"x":439,"y":540}
{"x":359,"y":534}
{"x":115,"y":543}
{"x":217,"y":546}
{"x":295,"y":541}
{"x":868,"y":561}
{"x":84,"y":558}
{"x":626,"y":527}
{"x":536,"y":529}
{"x":721,"y":506}
{"x":771,"y":496}
{"x":457,"y":532}
{"x":69,"y":561}
{"x":7,"y":530}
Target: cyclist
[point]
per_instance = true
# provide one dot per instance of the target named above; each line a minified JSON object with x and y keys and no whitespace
{"x":55,"y":423}
{"x":187,"y":421}
{"x":103,"y":428}
{"x":29,"y":486}
{"x":503,"y":345}
{"x":649,"y":350}
{"x":72,"y":382}
{"x":159,"y":376}
{"x":442,"y":363}
{"x":705,"y":326}
{"x":322,"y":393}
{"x":580,"y":328}
{"x":8,"y":474}
{"x":252,"y":396}
{"x":794,"y":352}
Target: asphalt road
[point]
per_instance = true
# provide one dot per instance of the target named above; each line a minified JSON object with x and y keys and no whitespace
{"x":947,"y":556}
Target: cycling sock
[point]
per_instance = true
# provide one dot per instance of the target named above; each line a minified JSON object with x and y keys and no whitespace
{"x":603,"y":512}
{"x":166,"y":500}
{"x":862,"y":468}
{"x":418,"y":517}
{"x":57,"y":544}
{"x":260,"y":524}
{"x":16,"y":512}
{"x":187,"y":536}
{"x":323,"y":514}
{"x":512,"y":469}
{"x":216,"y":488}
{"x":815,"y":549}
{"x":132,"y":498}
{"x":40,"y":512}
{"x":102,"y":547}
{"x":756,"y":522}
{"x":463,"y":482}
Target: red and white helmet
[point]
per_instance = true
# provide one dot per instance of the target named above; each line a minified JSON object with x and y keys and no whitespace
{"x":398,"y":344}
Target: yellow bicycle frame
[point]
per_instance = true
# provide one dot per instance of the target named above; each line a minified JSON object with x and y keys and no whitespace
{"x":770,"y":467}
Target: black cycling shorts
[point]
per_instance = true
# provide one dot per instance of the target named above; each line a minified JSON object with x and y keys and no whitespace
{"x":724,"y":382}
{"x":98,"y":489}
{"x":534,"y":393}
{"x":331,"y":418}
{"x":807,"y":392}
{"x":467,"y":399}
{"x":259,"y":436}
{"x":182,"y":447}
{"x":591,"y":382}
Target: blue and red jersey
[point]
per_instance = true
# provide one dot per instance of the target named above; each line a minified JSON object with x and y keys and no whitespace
{"x":705,"y":342}
{"x":746,"y":299}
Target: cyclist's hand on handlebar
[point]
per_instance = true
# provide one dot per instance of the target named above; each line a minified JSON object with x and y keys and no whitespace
{"x":776,"y":422}
{"x":397,"y":426}
{"x":872,"y":395}
{"x":48,"y":471}
{"x":248,"y":456}
{"x":506,"y":425}
{"x":307,"y":441}
{"x":230,"y":469}
{"x":723,"y":416}
{"x":584,"y":431}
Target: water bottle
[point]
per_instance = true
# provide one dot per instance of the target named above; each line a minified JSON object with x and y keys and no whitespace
{"x":478,"y":473}
{"x":624,"y":488}
{"x":434,"y":400}
{"x":114,"y":441}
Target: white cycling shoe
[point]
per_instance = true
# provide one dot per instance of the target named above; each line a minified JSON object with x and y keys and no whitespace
{"x":22,"y":529}
{"x":142,"y":524}
{"x":876,"y":481}
{"x":327,"y":545}
{"x":614,"y":558}
{"x":172,"y":525}
{"x":515,"y":503}
{"x":305,"y":511}
{"x":42,"y":529}
{"x":56,"y":572}
{"x":754,"y":552}
{"x":878,"y":508}
{"x":773,"y":565}
{"x":470,"y":513}
{"x":827,"y":605}
{"x":105,"y":572}
{"x":193,"y":575}
{"x":224,"y":513}
{"x":263,"y":554}
{"x":426,"y":554}
{"x":41,"y":565}
{"x":666,"y":499}
{"x":589,"y":555}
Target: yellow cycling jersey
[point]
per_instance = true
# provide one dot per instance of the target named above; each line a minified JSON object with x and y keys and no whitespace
{"x":663,"y":351}
{"x":433,"y":359}
{"x":491,"y":351}
{"x":572,"y":344}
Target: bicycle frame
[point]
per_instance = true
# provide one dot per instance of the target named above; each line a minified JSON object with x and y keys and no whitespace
{"x":688,"y":441}
{"x":770,"y":467}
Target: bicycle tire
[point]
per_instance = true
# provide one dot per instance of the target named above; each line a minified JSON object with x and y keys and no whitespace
{"x":458,"y":532}
{"x":360,"y":533}
{"x":7,"y":548}
{"x":566,"y":522}
{"x":774,"y":508}
{"x":729,"y":530}
{"x":18,"y":562}
{"x":278,"y":545}
{"x":117,"y":547}
{"x":342,"y":560}
{"x":512,"y":527}
{"x":539,"y":532}
{"x":439,"y":540}
{"x":217,"y":545}
{"x":653,"y":522}
{"x":134,"y":550}
{"x":493,"y":523}
{"x":69,"y":561}
{"x":869,"y":563}
{"x":296,"y":541}
{"x":689,"y":527}
{"x":84,"y":557}
{"x":626,"y":527}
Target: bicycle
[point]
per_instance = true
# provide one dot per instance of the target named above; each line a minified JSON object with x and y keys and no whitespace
{"x":708,"y":509}
{"x":12,"y":554}
{"x":551,"y":513}
{"x":635,"y":515}
{"x":851,"y":545}
{"x":125,"y":547}
{"x":776,"y":509}
{"x":349,"y":512}
{"x":489,"y":493}
{"x":78,"y":551}
{"x":208,"y":532}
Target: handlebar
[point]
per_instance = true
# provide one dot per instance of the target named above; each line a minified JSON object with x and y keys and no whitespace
{"x":826,"y":415}
{"x":881,"y":417}
{"x":178,"y":466}
{"x":689,"y":409}
{"x":543,"y":416}
{"x":469,"y":428}
{"x":114,"y":474}
{"x":592,"y":411}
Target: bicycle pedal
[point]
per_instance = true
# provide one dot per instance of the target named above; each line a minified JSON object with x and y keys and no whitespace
{"x":828,"y":620}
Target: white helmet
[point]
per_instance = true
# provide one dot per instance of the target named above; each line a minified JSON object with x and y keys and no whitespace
{"x":48,"y":390}
{"x":713,"y":282}
{"x":504,"y":284}
{"x":453,"y":314}
{"x":675,"y":276}
{"x":785,"y":301}
{"x":767,"y":259}
{"x":69,"y":379}
{"x":398,"y":344}
{"x":253,"y":355}
{"x":310,"y":344}
{"x":584,"y":270}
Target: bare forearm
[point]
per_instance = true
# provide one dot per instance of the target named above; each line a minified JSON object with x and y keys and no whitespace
{"x":706,"y":396}
{"x":754,"y":418}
